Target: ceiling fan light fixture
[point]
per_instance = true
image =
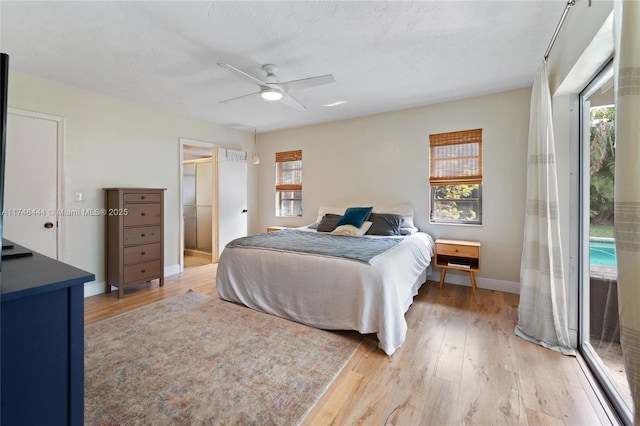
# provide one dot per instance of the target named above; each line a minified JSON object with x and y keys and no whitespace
{"x":271,"y":94}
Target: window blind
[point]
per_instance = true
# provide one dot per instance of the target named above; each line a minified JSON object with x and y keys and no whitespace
{"x":289,"y":171}
{"x":456,"y":158}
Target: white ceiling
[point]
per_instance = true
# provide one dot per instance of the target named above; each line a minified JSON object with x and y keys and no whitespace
{"x":384,"y":55}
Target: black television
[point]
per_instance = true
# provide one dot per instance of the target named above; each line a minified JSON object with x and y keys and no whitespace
{"x":4,"y":83}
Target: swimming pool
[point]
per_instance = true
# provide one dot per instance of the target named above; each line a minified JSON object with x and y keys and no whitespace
{"x":602,"y":252}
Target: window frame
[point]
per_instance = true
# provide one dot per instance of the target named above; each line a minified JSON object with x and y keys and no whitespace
{"x":447,"y":148}
{"x":477,"y":222}
{"x":582,"y":275}
{"x":291,"y":185}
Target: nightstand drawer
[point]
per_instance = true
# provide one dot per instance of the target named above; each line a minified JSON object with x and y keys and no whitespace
{"x":458,"y":250}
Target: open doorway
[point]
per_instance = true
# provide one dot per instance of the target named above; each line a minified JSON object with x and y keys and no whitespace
{"x":228,"y":197}
{"x":198,"y":229}
{"x":197,"y":204}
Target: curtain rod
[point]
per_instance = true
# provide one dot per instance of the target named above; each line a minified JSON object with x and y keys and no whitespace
{"x":555,"y":33}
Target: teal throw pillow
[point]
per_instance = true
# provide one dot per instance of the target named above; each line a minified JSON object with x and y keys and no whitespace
{"x":355,"y":216}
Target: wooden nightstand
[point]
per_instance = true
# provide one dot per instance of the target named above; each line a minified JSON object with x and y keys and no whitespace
{"x":458,"y":254}
{"x":276,"y":228}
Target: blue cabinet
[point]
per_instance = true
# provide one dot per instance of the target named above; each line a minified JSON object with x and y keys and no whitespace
{"x":42,"y":342}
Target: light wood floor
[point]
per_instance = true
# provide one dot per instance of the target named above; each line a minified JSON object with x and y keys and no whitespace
{"x":195,"y":261}
{"x":460,"y":364}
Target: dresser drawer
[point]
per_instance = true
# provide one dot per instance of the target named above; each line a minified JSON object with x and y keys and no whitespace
{"x":142,"y":214}
{"x":141,"y":235}
{"x":141,"y":197}
{"x":142,"y":271}
{"x":140,"y":254}
{"x":458,"y":250}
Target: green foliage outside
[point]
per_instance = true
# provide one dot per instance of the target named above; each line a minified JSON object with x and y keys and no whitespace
{"x":456,"y":203}
{"x":602,"y":165}
{"x":601,"y":231}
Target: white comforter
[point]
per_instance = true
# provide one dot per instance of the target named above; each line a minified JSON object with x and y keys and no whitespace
{"x":331,"y":293}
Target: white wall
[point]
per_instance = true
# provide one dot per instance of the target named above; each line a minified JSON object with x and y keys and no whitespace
{"x":383,"y":159}
{"x":111,"y":142}
{"x":579,"y":49}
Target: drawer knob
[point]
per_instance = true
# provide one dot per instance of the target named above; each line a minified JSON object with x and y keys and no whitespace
{"x":143,"y":271}
{"x":456,"y":250}
{"x":143,"y":235}
{"x":142,"y":197}
{"x":143,"y":214}
{"x":143,"y":253}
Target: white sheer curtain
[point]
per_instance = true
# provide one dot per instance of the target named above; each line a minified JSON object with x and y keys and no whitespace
{"x":543,"y":307}
{"x":627,"y":187}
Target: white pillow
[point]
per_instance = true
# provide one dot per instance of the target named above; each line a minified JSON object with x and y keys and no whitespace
{"x":352,"y":230}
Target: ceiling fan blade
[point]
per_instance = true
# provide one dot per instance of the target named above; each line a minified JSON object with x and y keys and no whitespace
{"x":226,"y":101}
{"x":243,"y":74}
{"x":292,"y":102}
{"x":305,"y":83}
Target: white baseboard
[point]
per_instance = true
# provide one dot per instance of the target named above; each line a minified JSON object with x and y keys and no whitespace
{"x":171,"y":270}
{"x":95,"y":287}
{"x":462,"y":278}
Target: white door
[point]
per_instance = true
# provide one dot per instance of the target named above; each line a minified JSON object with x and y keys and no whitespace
{"x":232,"y":196}
{"x":31,"y":175}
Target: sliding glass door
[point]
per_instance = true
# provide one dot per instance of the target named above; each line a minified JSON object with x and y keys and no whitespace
{"x":599,"y":326}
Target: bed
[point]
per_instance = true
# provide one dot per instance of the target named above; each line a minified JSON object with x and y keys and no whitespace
{"x":328,"y":292}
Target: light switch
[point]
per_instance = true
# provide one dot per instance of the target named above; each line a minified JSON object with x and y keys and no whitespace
{"x":78,"y":196}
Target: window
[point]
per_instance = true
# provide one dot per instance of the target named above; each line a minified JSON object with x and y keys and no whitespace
{"x":289,"y":183}
{"x":456,"y":177}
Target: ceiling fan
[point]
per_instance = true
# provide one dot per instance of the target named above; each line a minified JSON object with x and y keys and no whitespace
{"x":273,"y":90}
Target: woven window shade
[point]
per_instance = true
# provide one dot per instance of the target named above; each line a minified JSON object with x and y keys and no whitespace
{"x":456,"y":158}
{"x":289,"y":171}
{"x":289,"y":156}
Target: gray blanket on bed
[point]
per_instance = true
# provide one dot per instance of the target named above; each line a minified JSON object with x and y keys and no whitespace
{"x":362,"y":249}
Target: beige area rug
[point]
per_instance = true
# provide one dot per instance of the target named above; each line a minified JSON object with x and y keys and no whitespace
{"x":196,"y":360}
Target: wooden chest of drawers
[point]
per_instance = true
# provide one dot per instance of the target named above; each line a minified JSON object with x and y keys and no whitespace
{"x":134,"y":236}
